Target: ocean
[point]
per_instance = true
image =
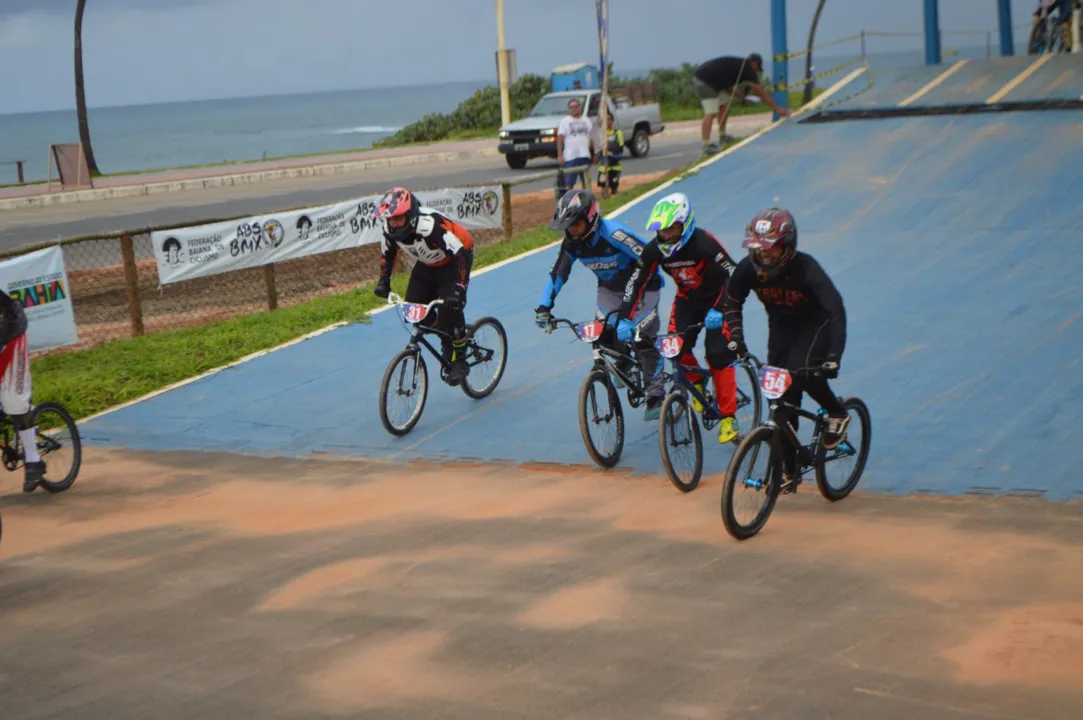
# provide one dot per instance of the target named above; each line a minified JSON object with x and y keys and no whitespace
{"x":150,"y":137}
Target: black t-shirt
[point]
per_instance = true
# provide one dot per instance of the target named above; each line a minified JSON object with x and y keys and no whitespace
{"x":721,"y":73}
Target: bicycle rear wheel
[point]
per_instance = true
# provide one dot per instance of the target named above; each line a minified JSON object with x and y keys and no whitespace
{"x":859,"y":420}
{"x":487,"y":356}
{"x":681,"y":442}
{"x":56,"y":433}
{"x":762,"y":477}
{"x":405,"y":385}
{"x":600,"y":409}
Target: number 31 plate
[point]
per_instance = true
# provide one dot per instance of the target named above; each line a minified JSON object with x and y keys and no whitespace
{"x":774,"y":381}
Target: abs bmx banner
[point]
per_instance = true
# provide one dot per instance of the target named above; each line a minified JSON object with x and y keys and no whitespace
{"x":203,"y":250}
{"x":39,"y":281}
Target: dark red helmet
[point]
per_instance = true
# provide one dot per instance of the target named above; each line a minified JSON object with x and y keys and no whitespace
{"x":768,"y":229}
{"x":399,"y":202}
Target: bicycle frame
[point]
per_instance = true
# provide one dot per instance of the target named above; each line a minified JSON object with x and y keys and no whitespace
{"x":412,"y":317}
{"x":710,"y":414}
{"x":592,"y":332}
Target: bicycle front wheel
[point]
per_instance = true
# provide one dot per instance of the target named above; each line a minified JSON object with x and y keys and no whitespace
{"x":759,"y":483}
{"x":59,"y":445}
{"x":680,"y":441}
{"x":486,"y":356}
{"x":403,"y":392}
{"x":749,"y":397}
{"x":600,"y":413}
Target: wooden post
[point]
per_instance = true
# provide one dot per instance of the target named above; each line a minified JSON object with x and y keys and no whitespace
{"x":505,"y":219}
{"x":269,"y":279}
{"x":19,"y":170}
{"x":131,"y":280}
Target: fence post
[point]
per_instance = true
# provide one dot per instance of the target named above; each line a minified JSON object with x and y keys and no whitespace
{"x":131,"y":281}
{"x":505,"y":220}
{"x":272,"y":292}
{"x":19,"y":170}
{"x":862,"y":43}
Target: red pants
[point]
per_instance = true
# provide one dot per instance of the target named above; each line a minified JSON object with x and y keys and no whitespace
{"x":687,"y":312}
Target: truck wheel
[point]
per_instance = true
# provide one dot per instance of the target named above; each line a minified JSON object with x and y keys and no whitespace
{"x":641,"y":143}
{"x":516,"y":162}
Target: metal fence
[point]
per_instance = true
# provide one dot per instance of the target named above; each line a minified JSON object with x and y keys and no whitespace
{"x":115,"y":293}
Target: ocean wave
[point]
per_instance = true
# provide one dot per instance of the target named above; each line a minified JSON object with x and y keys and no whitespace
{"x":366,"y":130}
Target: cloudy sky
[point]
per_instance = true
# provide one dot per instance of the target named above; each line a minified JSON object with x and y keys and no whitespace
{"x":145,"y":51}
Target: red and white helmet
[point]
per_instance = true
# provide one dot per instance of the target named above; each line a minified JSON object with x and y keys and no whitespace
{"x":398,"y":202}
{"x":768,"y":229}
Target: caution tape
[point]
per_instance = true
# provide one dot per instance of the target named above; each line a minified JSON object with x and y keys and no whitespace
{"x":786,"y":87}
{"x":800,"y":53}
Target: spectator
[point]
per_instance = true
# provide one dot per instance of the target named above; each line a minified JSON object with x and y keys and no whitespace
{"x":574,"y":146}
{"x":731,"y":76}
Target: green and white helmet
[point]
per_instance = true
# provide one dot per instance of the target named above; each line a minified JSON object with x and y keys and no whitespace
{"x":673,"y":208}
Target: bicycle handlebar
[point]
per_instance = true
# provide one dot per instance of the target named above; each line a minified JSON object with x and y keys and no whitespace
{"x":557,"y":322}
{"x":396,"y":299}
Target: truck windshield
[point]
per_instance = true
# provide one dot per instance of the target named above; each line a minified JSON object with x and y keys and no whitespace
{"x":555,"y":105}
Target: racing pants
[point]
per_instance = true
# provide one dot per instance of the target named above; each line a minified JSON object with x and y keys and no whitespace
{"x":794,"y":348}
{"x":687,"y":311}
{"x":427,"y":283}
{"x":646,"y":319}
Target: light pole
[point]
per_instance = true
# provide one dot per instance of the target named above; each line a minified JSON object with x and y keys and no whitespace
{"x":502,"y":64}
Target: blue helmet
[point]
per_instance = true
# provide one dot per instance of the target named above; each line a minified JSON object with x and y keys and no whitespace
{"x":673,"y":208}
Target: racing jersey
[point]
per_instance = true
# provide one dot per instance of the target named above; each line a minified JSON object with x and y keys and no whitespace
{"x":701,"y":268}
{"x":611,"y":255}
{"x":801,"y":296}
{"x":436,"y":242}
{"x":12,"y":318}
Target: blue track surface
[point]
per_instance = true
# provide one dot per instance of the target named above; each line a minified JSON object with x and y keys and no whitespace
{"x":952,"y":239}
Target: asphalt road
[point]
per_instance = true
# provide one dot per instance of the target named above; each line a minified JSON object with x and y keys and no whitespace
{"x":33,"y":225}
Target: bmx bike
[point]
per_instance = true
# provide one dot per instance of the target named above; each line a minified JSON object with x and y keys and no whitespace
{"x":599,"y":401}
{"x":767,"y":440}
{"x":407,"y":377}
{"x":678,"y":429}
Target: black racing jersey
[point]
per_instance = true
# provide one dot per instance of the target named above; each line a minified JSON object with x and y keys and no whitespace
{"x":801,"y":295}
{"x":438,"y":241}
{"x":12,"y":318}
{"x":701,"y":269}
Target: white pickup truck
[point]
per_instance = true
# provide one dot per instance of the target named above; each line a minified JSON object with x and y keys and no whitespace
{"x":536,"y":135}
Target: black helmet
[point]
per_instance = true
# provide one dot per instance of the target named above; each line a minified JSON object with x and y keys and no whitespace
{"x":577,"y":205}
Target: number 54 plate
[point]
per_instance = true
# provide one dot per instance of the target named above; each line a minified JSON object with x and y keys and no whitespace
{"x":774,"y":381}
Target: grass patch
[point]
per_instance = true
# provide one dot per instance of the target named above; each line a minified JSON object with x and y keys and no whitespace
{"x":93,"y":380}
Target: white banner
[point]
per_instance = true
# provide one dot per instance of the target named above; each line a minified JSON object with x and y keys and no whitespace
{"x":204,"y":250}
{"x":38,"y":280}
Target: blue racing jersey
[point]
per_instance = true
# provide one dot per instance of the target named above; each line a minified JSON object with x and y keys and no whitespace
{"x":612,"y":254}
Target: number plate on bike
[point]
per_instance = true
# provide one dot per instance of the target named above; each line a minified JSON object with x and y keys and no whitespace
{"x":669,"y":346}
{"x":774,"y":381}
{"x":414,"y":313}
{"x":589,"y":331}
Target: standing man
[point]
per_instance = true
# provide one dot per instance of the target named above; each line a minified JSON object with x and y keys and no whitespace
{"x":721,"y":76}
{"x":574,"y":148}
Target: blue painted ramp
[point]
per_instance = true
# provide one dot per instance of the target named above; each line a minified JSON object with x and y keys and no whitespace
{"x":1059,"y":78}
{"x":952,"y":239}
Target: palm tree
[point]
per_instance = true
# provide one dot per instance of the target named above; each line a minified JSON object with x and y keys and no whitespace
{"x":808,"y":57}
{"x":80,"y":91}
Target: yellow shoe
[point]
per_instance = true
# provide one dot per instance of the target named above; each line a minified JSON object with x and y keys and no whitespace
{"x":727,"y":430}
{"x":696,"y":404}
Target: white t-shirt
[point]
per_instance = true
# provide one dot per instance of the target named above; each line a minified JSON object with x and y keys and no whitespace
{"x":576,"y":133}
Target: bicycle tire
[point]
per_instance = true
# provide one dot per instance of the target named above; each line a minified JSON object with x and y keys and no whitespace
{"x":601,"y":378}
{"x":762,"y":435}
{"x":757,"y":396}
{"x":76,"y":444}
{"x":485,"y":392}
{"x":385,"y":386}
{"x":678,"y":398}
{"x":825,"y":489}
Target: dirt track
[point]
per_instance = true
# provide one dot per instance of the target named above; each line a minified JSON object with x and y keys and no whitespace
{"x":181,"y":586}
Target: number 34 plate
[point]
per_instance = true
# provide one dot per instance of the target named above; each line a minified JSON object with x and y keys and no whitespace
{"x":774,"y":381}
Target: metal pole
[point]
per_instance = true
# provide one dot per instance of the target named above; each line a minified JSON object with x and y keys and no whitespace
{"x":932,"y":32}
{"x":862,"y":43}
{"x":502,"y":63}
{"x":19,"y":170}
{"x":988,"y":44}
{"x":780,"y":63}
{"x":1007,"y":45}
